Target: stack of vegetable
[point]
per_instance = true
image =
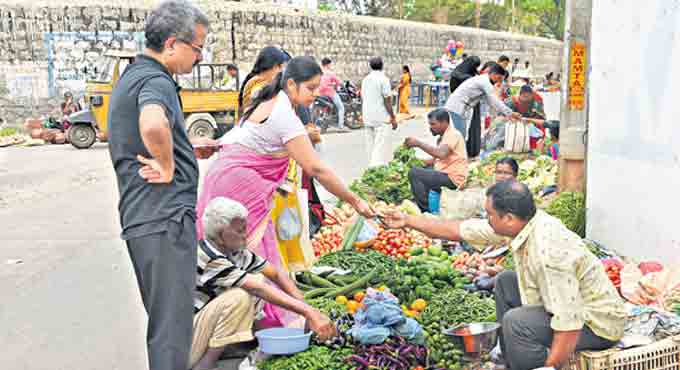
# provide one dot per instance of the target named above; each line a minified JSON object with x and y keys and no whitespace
{"x":360,"y":264}
{"x":341,"y":215}
{"x":447,"y":309}
{"x":613,"y":269}
{"x":570,"y":208}
{"x":331,"y":238}
{"x":315,"y":358}
{"x":327,"y":240}
{"x":672,"y":300}
{"x":389,"y":182}
{"x":482,"y":173}
{"x":537,"y":173}
{"x":395,"y":354}
{"x":424,"y":275}
{"x":393,"y":243}
{"x":333,"y":286}
{"x":10,"y":136}
{"x":474,"y":266}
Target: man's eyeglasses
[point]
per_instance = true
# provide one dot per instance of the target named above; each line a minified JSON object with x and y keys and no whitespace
{"x":197,"y":49}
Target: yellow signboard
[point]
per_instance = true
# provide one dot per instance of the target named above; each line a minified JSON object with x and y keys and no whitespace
{"x":577,"y":76}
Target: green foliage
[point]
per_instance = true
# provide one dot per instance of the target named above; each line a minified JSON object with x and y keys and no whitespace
{"x":388,"y":183}
{"x":534,"y":17}
{"x":570,"y":208}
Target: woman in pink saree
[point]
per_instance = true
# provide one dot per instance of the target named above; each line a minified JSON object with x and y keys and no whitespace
{"x":253,"y":163}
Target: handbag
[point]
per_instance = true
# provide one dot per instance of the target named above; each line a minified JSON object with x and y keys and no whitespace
{"x":517,"y":135}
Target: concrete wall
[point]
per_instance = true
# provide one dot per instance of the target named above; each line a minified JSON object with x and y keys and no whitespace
{"x":634,"y":139}
{"x":66,"y":41}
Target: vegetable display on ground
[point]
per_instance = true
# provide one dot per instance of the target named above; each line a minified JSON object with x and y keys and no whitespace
{"x":447,"y":309}
{"x":570,"y":208}
{"x":389,"y":182}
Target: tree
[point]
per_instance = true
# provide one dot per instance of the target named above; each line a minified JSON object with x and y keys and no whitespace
{"x":376,"y":8}
{"x":543,"y":17}
{"x":461,"y":13}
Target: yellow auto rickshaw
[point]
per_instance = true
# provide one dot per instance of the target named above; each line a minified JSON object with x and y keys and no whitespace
{"x":209,"y":109}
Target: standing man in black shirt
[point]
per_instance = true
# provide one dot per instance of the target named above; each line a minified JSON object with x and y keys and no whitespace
{"x":157,"y":177}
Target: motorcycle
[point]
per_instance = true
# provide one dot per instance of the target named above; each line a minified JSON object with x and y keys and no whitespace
{"x":325,"y":115}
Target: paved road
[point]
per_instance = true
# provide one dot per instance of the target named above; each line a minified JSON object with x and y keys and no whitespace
{"x":72,"y":303}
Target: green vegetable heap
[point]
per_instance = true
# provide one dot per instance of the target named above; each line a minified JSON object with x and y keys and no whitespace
{"x":423,"y":276}
{"x":315,"y":358}
{"x":537,"y":173}
{"x":447,"y":309}
{"x":570,"y":208}
{"x":360,"y":263}
{"x":389,"y":182}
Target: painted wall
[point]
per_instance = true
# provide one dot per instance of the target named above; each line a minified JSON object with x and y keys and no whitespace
{"x":634,"y":135}
{"x":67,"y":40}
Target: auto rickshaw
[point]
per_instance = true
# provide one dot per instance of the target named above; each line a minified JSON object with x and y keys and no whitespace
{"x":209,"y":110}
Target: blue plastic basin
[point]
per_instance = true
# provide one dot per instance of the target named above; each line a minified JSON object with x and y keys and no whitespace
{"x":283,"y":341}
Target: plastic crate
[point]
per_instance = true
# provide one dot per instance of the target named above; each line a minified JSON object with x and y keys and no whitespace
{"x":661,"y":355}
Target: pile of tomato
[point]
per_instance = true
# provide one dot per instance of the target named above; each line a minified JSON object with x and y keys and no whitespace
{"x":613,"y":268}
{"x":393,"y":243}
{"x":328,"y":240}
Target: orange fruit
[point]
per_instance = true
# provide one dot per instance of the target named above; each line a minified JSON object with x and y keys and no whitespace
{"x":359,"y":296}
{"x":352,"y":306}
{"x":419,"y":305}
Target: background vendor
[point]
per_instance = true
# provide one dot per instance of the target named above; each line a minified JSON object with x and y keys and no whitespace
{"x":448,"y":168}
{"x":529,"y":105}
{"x":230,"y":287}
{"x":559,"y":301}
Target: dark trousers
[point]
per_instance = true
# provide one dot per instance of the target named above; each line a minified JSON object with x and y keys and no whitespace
{"x":165,"y":265}
{"x":526,"y":333}
{"x":425,"y":179}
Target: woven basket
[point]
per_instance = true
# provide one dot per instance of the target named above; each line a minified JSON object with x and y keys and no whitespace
{"x":661,"y":355}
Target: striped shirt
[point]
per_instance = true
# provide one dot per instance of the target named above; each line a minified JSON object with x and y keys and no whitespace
{"x":218,"y":272}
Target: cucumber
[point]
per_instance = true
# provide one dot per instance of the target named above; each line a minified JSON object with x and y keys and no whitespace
{"x":351,"y":235}
{"x":320,"y":282}
{"x":304,"y":287}
{"x":342,"y":280}
{"x":318,"y":293}
{"x":363,"y":282}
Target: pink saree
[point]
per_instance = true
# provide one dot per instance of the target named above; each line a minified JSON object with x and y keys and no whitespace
{"x":250,"y":178}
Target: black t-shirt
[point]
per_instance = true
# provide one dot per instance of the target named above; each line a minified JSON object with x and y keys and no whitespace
{"x":147,"y":208}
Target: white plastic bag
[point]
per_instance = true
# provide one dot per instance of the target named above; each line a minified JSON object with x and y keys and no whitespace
{"x":461,"y":204}
{"x":517,"y":137}
{"x":289,"y":226}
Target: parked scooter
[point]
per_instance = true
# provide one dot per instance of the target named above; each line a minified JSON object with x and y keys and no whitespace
{"x":325,"y":115}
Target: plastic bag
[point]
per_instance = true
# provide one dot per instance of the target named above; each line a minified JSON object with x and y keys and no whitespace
{"x":411,"y":331}
{"x":368,"y":232}
{"x":517,"y":137}
{"x":630,"y":276}
{"x":461,"y":205}
{"x":495,"y":136}
{"x":288,"y":227}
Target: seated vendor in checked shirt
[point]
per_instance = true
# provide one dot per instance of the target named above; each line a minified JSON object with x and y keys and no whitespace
{"x":230,"y":285}
{"x":559,"y":301}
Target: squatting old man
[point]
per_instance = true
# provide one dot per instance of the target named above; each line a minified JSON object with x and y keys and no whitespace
{"x":231,"y":287}
{"x":559,"y":301}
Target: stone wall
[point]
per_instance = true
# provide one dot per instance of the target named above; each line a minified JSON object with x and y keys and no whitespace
{"x":55,"y":48}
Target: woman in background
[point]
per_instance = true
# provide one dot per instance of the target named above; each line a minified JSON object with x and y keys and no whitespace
{"x":404,"y":90}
